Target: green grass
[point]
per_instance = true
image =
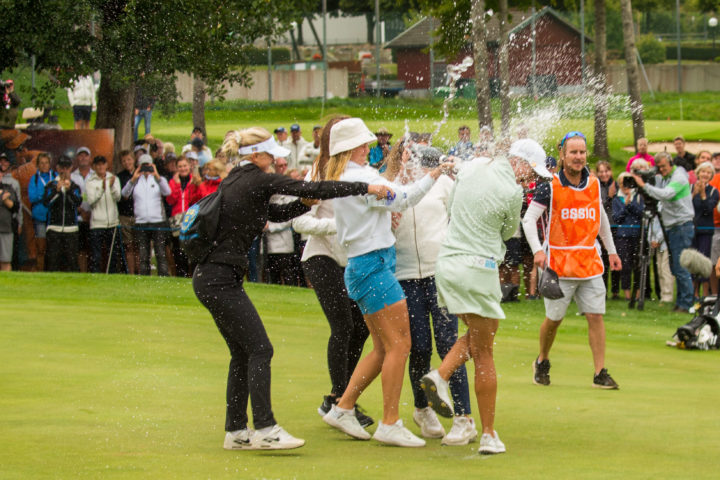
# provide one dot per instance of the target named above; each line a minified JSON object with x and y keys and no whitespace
{"x":124,"y":377}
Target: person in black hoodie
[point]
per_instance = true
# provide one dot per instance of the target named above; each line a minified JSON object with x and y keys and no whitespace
{"x":62,"y":197}
{"x":218,"y":279}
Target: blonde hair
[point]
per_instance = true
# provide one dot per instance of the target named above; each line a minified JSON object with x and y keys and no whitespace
{"x":336,"y":165}
{"x":394,"y":162}
{"x":216,"y":167}
{"x":242,"y":138}
{"x":639,"y":164}
{"x":319,"y":166}
{"x":169,"y":147}
{"x":705,"y":166}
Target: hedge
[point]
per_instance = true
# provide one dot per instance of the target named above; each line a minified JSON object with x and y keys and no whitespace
{"x":258,"y":56}
{"x":692,"y":53}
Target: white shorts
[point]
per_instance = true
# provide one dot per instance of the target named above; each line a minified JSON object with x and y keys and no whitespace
{"x":589,"y":296}
{"x":715,"y":249}
{"x":6,"y":247}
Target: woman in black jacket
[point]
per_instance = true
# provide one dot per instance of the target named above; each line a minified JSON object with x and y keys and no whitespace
{"x":218,"y":281}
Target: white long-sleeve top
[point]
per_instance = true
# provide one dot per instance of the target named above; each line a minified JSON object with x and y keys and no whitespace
{"x":147,"y":196}
{"x":82,"y":92}
{"x":319,"y":224}
{"x":103,"y":200}
{"x":279,"y":235}
{"x":364,"y":223}
{"x":421,"y":231}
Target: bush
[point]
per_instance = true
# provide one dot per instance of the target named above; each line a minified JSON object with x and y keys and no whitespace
{"x":258,"y":56}
{"x":651,"y":50}
{"x":691,"y":53}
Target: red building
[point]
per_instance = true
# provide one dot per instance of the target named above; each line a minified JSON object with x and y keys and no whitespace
{"x":557,"y":52}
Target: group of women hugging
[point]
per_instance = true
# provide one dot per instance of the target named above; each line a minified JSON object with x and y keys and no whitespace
{"x":385,"y":254}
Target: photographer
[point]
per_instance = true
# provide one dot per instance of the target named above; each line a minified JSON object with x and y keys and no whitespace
{"x":672,"y":189}
{"x":10,"y":104}
{"x":8,"y":206}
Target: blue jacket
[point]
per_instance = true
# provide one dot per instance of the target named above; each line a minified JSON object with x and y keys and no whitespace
{"x":36,"y":191}
{"x":627,"y":217}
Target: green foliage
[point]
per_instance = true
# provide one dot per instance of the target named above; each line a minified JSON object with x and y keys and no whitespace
{"x":651,"y":50}
{"x":691,"y":52}
{"x":259,"y":56}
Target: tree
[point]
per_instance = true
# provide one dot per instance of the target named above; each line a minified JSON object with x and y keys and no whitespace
{"x":600,"y":147}
{"x":367,"y":8}
{"x":632,"y":70}
{"x":504,"y":72}
{"x":480,"y":54}
{"x":123,"y":39}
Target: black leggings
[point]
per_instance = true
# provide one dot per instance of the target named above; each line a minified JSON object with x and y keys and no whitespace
{"x":220,"y":288}
{"x":348,"y":331}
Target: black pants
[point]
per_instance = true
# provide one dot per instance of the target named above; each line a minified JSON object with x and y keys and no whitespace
{"x":62,"y":251}
{"x":280,"y":267}
{"x":182,"y":264}
{"x":157,"y":233}
{"x":628,"y":250}
{"x":102,"y":244}
{"x":348,"y":331}
{"x":220,"y":288}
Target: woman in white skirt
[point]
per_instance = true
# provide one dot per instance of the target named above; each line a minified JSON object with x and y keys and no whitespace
{"x":364,"y":229}
{"x":484,"y":212}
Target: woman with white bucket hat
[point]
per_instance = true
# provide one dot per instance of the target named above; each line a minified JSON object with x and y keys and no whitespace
{"x":364,"y":229}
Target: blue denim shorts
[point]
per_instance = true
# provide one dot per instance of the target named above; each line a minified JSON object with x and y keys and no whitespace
{"x":370,"y":280}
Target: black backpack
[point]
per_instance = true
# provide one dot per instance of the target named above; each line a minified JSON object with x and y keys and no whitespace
{"x":199,"y":227}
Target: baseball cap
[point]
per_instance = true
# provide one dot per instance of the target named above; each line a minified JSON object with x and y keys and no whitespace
{"x":140,"y":147}
{"x":81,"y":150}
{"x":279,"y":130}
{"x":531,"y":151}
{"x":294,"y":127}
{"x":145,"y":159}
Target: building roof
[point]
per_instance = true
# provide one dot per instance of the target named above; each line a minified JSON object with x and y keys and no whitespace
{"x":419,"y":34}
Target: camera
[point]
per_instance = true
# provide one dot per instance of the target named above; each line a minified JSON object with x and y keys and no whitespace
{"x":648,"y":176}
{"x":146,"y":167}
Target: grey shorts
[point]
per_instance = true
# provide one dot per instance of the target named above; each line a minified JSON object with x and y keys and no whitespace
{"x":589,"y":296}
{"x":40,"y":229}
{"x":6,"y":247}
{"x":715,"y":249}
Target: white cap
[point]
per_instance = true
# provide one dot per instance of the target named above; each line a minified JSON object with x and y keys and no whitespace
{"x":145,"y":158}
{"x":83,"y":149}
{"x":268,"y":146}
{"x":531,"y":151}
{"x":348,"y":134}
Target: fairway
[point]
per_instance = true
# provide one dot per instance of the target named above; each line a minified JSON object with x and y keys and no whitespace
{"x":118,"y":377}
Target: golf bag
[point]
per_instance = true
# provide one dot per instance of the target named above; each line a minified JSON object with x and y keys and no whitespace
{"x":700,"y":333}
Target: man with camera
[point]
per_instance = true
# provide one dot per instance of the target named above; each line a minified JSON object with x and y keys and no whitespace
{"x":577,"y":218}
{"x":147,"y":189}
{"x":672,"y":190}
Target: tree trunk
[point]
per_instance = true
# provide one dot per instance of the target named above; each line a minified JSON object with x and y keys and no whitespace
{"x":477,"y":15}
{"x":300,"y":39}
{"x":632,"y":70}
{"x":600,"y":148}
{"x":370,"y":22}
{"x":198,"y":108}
{"x":504,"y":69}
{"x":115,"y":110}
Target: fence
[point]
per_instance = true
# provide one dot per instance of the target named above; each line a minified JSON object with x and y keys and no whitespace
{"x":664,"y":78}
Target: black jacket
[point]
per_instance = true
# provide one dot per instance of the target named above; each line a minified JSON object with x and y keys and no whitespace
{"x":246,"y":208}
{"x":62,"y":206}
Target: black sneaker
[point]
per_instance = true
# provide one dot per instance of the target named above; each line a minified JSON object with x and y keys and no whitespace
{"x":328,"y":402}
{"x":605,"y":381}
{"x":541,"y":372}
{"x":362,"y":418}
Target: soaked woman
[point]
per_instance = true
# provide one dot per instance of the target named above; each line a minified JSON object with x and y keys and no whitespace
{"x":218,"y":279}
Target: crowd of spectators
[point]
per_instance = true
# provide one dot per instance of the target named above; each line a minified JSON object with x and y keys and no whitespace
{"x":91,"y":219}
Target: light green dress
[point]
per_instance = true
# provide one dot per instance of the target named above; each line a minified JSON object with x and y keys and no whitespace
{"x":484,"y":212}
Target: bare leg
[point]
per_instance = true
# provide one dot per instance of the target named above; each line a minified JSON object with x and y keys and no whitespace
{"x":596,"y":337}
{"x":458,"y":355}
{"x":41,"y":247}
{"x":391,"y":326}
{"x":548,"y":330}
{"x":481,"y":332}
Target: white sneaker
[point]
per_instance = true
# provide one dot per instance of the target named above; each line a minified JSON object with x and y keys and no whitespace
{"x":240,"y":440}
{"x":276,"y":439}
{"x":437,"y":391}
{"x":463,"y":431}
{"x":490,"y":444}
{"x":430,"y":426}
{"x":396,"y":434}
{"x":346,"y":422}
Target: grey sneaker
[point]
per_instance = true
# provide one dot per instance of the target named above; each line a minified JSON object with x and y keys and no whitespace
{"x":491,"y":444}
{"x":437,"y":392}
{"x":605,"y":381}
{"x":541,"y":372}
{"x":346,"y":423}
{"x":463,"y":431}
{"x":430,"y":426}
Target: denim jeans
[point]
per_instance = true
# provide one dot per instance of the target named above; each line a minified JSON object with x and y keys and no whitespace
{"x":679,"y":238}
{"x":143,"y":114}
{"x":422,"y":302}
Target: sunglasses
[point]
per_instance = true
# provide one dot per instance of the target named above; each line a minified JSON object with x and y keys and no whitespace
{"x":572,"y":135}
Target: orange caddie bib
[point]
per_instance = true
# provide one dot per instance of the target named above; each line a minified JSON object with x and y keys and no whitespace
{"x":573,"y":229}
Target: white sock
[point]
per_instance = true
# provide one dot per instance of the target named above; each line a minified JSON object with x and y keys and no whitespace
{"x":266,"y":430}
{"x":346,"y":411}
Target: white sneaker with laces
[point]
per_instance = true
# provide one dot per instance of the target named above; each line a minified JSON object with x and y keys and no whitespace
{"x":346,"y":422}
{"x":491,"y":444}
{"x":437,"y":391}
{"x":239,"y":440}
{"x":396,"y":434}
{"x":430,"y":426}
{"x":463,"y":431}
{"x":276,"y":439}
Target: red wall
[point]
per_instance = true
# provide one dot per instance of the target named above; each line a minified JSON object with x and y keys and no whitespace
{"x":557,"y":53}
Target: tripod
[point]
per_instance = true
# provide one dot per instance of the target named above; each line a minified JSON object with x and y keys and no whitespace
{"x":643,"y":258}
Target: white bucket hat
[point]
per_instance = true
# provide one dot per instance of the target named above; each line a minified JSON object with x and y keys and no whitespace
{"x":348,"y":134}
{"x":531,"y":151}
